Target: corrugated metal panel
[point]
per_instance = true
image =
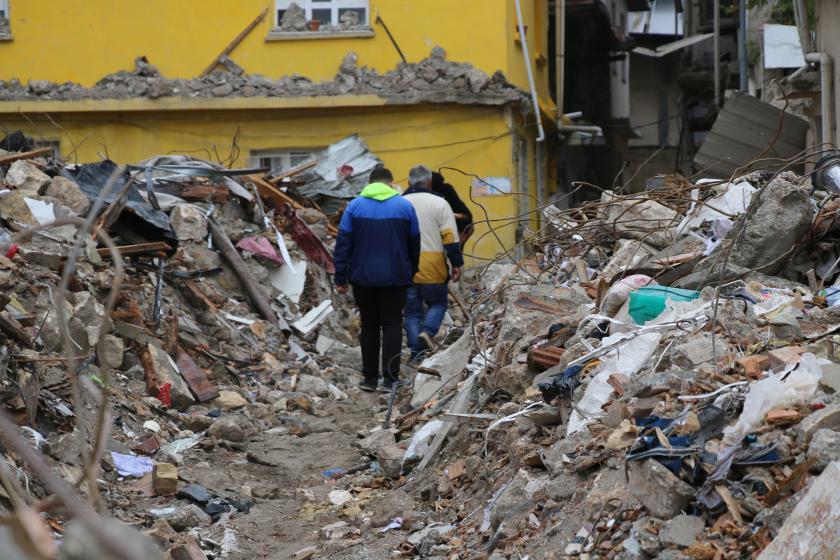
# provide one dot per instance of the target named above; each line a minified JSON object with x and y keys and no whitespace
{"x":743,"y":130}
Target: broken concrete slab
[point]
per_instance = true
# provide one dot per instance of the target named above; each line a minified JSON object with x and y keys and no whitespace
{"x":812,"y":532}
{"x":448,"y":364}
{"x":827,"y":418}
{"x":663,"y":494}
{"x":682,"y":530}
{"x":188,"y":222}
{"x":26,"y":177}
{"x":824,"y":448}
{"x":68,"y":193}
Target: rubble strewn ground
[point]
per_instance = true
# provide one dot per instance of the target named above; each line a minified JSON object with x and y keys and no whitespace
{"x":660,"y":381}
{"x":433,"y":79}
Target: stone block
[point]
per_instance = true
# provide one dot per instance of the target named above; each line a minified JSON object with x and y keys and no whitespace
{"x":827,"y":418}
{"x":812,"y":531}
{"x":661,"y":492}
{"x":165,"y":479}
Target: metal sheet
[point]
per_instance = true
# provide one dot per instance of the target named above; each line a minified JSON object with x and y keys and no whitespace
{"x":674,"y":46}
{"x":782,"y":48}
{"x":342,"y":170}
{"x":743,"y":130}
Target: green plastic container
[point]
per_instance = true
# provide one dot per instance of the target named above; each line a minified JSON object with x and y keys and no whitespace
{"x":649,"y":302}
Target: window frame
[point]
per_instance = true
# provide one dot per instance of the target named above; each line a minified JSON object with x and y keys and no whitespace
{"x":331,"y":29}
{"x":286,"y":154}
{"x":4,"y":7}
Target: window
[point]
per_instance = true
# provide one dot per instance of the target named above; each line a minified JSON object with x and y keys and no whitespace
{"x":280,"y":160}
{"x":330,"y":15}
{"x":5,"y":26}
{"x":54,"y":144}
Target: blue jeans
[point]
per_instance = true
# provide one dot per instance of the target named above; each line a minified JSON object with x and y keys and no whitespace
{"x":434,"y":298}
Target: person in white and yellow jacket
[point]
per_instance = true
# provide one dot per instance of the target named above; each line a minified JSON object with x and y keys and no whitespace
{"x":427,"y":298}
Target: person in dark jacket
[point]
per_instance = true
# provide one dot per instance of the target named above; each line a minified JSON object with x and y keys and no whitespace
{"x":463,"y":216}
{"x":377,"y":251}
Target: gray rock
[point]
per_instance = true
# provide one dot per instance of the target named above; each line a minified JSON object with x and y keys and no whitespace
{"x":394,"y":504}
{"x":189,"y":517}
{"x":825,"y":419}
{"x":231,"y":429}
{"x":109,"y":352}
{"x":79,"y":544}
{"x":830,"y":380}
{"x":377,"y":441}
{"x":313,"y":385}
{"x":646,"y":530}
{"x":518,"y":498}
{"x":477,"y":80}
{"x":662,"y":493}
{"x":824,"y":448}
{"x":774,"y":517}
{"x":13,"y":207}
{"x":26,"y":177}
{"x":188,"y":222}
{"x":91,"y":314}
{"x":69,"y":194}
{"x":696,"y":350}
{"x":782,"y":216}
{"x":682,"y":530}
{"x":390,"y":459}
{"x":294,"y":18}
{"x":222,"y":90}
{"x":41,"y":87}
{"x":812,"y":531}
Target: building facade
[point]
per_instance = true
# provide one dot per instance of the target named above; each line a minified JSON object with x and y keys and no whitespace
{"x":300,"y":76}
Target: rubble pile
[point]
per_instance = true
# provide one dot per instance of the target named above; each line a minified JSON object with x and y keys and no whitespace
{"x":660,"y":381}
{"x":434,"y":80}
{"x":159,"y":323}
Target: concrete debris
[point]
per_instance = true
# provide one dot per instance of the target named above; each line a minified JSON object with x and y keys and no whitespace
{"x":188,"y":222}
{"x":581,"y":402}
{"x":432,"y":80}
{"x":26,"y":177}
{"x":811,"y":531}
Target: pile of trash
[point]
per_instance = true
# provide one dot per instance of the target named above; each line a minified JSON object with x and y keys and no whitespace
{"x":433,"y":79}
{"x":661,"y":380}
{"x":151,"y":314}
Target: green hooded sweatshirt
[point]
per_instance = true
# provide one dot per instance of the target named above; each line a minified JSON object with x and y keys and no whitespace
{"x":378,"y":191}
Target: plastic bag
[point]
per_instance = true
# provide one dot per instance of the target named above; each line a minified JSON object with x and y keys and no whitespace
{"x":620,"y":291}
{"x":775,"y":391}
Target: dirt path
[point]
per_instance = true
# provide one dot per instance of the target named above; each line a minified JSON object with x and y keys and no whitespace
{"x":289,"y":488}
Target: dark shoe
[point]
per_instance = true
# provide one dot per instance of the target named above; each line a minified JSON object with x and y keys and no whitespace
{"x":387,"y":386}
{"x":427,"y":341}
{"x":367,"y":387}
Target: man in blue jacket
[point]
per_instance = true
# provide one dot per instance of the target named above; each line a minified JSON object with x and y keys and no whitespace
{"x":377,"y":251}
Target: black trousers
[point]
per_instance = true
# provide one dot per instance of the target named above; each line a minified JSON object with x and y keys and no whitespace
{"x":381,"y":311}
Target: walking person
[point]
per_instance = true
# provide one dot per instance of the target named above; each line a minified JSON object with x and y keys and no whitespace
{"x":377,"y":252}
{"x":463,"y":216}
{"x":427,"y":297}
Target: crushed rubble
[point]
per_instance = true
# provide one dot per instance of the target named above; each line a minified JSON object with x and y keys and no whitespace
{"x":432,"y":80}
{"x":658,"y":381}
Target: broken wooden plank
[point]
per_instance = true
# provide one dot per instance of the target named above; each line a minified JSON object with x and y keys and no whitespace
{"x":11,"y":327}
{"x":233,"y":44}
{"x":195,"y":377}
{"x":272,"y":193}
{"x":476,"y":419}
{"x":199,"y":193}
{"x":254,"y":291}
{"x":293,"y":171}
{"x":10,"y":158}
{"x":139,"y":248}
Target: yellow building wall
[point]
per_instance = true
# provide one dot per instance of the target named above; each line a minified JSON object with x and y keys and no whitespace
{"x":83,"y":40}
{"x":473,"y":139}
